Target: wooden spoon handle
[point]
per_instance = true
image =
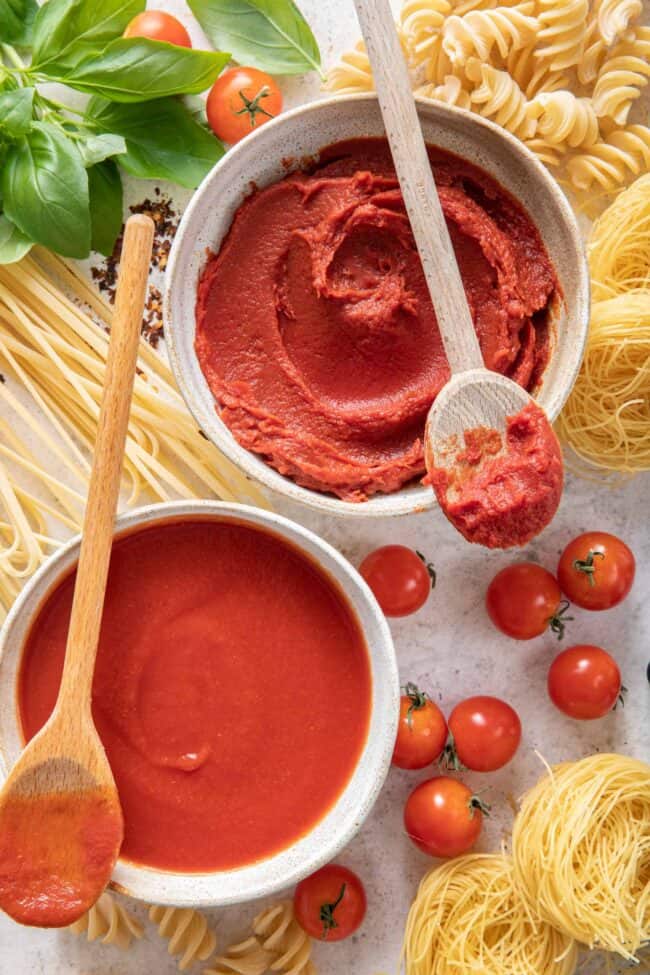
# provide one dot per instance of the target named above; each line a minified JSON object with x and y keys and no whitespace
{"x":104,"y":488}
{"x":417,"y":184}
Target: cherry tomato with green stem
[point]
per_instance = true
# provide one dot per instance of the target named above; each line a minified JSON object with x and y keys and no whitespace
{"x":584,"y":682}
{"x":158,"y":26}
{"x":240,"y":101}
{"x":523,"y":600}
{"x":421,"y":732}
{"x":596,"y":570}
{"x":400,"y":578}
{"x":484,"y":734}
{"x":330,"y":905}
{"x":443,"y":818}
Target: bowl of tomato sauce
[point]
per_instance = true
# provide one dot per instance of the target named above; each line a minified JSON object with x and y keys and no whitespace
{"x":246,"y":692}
{"x":301,"y":331}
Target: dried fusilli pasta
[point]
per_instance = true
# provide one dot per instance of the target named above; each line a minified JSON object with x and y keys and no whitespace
{"x":352,"y":73}
{"x":607,"y":21}
{"x":546,"y":152}
{"x":246,"y":958}
{"x":609,"y":164}
{"x":532,"y":75}
{"x":281,"y":935}
{"x":187,"y":931}
{"x":561,"y":37}
{"x":500,"y":98}
{"x":451,"y":92}
{"x":420,"y":21}
{"x":477,"y":32}
{"x":623,"y":74}
{"x":563,"y":119}
{"x":108,"y":922}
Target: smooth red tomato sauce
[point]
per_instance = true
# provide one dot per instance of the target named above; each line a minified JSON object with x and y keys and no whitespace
{"x":232,"y":691}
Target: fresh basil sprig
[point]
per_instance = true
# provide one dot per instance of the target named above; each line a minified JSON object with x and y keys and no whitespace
{"x":60,"y":184}
{"x":268,"y":34}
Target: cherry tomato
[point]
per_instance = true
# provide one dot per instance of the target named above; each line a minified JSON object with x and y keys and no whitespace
{"x":422,"y":730}
{"x":158,"y":26}
{"x":584,"y":682}
{"x":596,"y":570}
{"x":484,"y":734}
{"x":330,"y":904}
{"x":241,"y":100}
{"x":443,"y":818}
{"x":524,"y":599}
{"x":400,"y":578}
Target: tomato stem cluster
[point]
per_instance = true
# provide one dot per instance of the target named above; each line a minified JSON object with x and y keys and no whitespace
{"x":557,"y":622}
{"x":327,"y":912}
{"x":587,"y":565}
{"x":252,"y":106}
{"x":429,"y":567}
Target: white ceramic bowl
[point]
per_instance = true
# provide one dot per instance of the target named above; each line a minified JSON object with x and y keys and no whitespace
{"x":344,"y":819}
{"x":302,"y":133}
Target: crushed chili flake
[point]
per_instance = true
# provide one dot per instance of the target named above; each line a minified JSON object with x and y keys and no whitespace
{"x":166,"y":220}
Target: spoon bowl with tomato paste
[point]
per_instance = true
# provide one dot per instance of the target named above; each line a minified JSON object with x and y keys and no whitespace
{"x":316,"y":370}
{"x":246,"y":693}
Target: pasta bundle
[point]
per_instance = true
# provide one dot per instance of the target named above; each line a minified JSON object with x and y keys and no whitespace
{"x":467,"y":916}
{"x":581,"y":851}
{"x":109,"y":922}
{"x":188,"y":933}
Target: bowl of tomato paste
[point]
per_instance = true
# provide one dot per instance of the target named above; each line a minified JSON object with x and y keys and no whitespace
{"x":300,"y":328}
{"x":246,"y":692}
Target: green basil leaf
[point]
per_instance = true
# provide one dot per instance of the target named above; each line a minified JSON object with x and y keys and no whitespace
{"x":106,"y":201}
{"x":16,"y":111}
{"x":45,"y":191}
{"x":67,"y":31}
{"x":137,"y":70}
{"x":163,"y":139}
{"x":96,"y":148}
{"x":13,"y":244}
{"x":268,"y":34}
{"x":17,"y":21}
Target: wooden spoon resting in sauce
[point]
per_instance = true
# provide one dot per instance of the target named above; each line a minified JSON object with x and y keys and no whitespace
{"x":61,"y":824}
{"x":491,"y":454}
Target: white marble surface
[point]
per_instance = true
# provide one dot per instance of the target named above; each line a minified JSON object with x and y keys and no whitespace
{"x":451,"y":649}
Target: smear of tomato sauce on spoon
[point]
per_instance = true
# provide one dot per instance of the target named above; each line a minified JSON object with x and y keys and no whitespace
{"x":57,"y":853}
{"x":500,"y":491}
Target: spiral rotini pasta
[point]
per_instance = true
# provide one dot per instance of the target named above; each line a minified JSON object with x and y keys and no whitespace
{"x":246,"y":958}
{"x":451,"y":92}
{"x":477,"y":32}
{"x":561,"y":37}
{"x":547,"y":153}
{"x":500,"y":98}
{"x":609,"y":164}
{"x":352,"y":74}
{"x":187,"y":931}
{"x":420,"y":21}
{"x":280,"y":934}
{"x":532,"y":75}
{"x":563,"y":119}
{"x":108,"y":922}
{"x":623,"y":75}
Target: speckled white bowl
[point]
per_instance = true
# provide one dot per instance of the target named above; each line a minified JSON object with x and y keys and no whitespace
{"x":258,"y":160}
{"x":344,"y":819}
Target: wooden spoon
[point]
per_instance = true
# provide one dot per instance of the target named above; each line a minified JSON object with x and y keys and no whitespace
{"x":61,"y":824}
{"x":474,"y":397}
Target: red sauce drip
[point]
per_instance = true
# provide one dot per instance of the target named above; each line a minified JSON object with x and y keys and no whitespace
{"x":315,"y":329}
{"x":497,"y":494}
{"x":57,"y":854}
{"x":232,"y":691}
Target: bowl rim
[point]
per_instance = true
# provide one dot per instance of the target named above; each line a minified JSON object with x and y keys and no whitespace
{"x":325,"y":840}
{"x":409,"y":499}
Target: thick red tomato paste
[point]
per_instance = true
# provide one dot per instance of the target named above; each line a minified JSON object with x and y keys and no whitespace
{"x":502,"y":492}
{"x":315,"y":329}
{"x":57,"y":853}
{"x":232,"y":691}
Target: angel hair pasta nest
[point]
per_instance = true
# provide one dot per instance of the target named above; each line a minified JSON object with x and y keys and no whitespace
{"x":581,"y":850}
{"x":468,"y":917}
